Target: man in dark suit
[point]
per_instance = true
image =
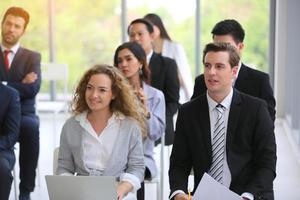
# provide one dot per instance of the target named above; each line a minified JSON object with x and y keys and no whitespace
{"x":10,"y":116}
{"x":236,"y":146}
{"x":247,"y":80}
{"x":20,"y":68}
{"x":163,"y":71}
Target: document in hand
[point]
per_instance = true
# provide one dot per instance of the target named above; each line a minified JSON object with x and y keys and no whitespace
{"x":209,"y":188}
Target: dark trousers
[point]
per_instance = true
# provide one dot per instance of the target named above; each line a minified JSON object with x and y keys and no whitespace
{"x":140,"y":194}
{"x":29,"y":151}
{"x":7,"y":161}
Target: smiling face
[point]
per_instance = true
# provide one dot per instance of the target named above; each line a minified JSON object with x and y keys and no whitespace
{"x":98,"y":94}
{"x":12,"y":30}
{"x":218,"y":74}
{"x":128,"y":64}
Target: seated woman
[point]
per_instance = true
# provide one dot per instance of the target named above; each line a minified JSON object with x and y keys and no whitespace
{"x":104,"y":137}
{"x":130,"y":58}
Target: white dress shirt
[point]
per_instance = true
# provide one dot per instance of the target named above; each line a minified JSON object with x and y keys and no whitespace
{"x":149,"y":56}
{"x":213,"y":114}
{"x":98,"y":148}
{"x":213,"y":118}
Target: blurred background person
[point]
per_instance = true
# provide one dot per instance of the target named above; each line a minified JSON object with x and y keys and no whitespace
{"x":163,"y":70}
{"x":164,"y":45}
{"x":130,"y":58}
{"x":104,"y":136}
{"x":10,"y":117}
{"x":250,"y":81}
{"x":21,"y":69}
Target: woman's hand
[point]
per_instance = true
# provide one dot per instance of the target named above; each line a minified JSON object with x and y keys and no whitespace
{"x":141,"y":95}
{"x":123,"y":188}
{"x":182,"y":197}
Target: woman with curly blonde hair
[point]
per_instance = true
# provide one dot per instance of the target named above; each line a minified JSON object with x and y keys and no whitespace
{"x":104,"y":137}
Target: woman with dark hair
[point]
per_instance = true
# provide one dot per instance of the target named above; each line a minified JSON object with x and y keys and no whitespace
{"x":166,"y":47}
{"x":130,"y":58}
{"x":104,"y":136}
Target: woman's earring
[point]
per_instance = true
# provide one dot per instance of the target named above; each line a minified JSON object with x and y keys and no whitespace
{"x":140,"y":71}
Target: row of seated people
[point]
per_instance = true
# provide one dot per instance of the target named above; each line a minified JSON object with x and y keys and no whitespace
{"x":144,"y":93}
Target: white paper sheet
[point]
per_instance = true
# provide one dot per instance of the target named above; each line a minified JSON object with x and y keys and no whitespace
{"x":210,"y":189}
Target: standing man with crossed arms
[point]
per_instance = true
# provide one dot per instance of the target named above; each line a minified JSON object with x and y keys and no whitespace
{"x":20,"y":68}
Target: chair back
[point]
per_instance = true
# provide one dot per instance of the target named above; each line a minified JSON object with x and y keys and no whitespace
{"x":56,"y":72}
{"x":55,"y":160}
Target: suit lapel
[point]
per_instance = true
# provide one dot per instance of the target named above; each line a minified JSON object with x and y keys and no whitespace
{"x":18,"y":56}
{"x":153,"y":64}
{"x":234,"y":114}
{"x":204,"y":124}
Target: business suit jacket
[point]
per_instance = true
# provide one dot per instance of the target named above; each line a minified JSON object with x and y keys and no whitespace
{"x":165,"y":78}
{"x":249,"y":81}
{"x":250,"y":146}
{"x":10,"y":116}
{"x":175,"y":51}
{"x":24,"y":62}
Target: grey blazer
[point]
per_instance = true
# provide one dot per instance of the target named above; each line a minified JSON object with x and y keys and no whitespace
{"x":127,"y":156}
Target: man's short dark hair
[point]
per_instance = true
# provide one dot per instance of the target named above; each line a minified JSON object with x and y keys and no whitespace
{"x":19,"y":12}
{"x":229,"y":27}
{"x":234,"y":57}
{"x":147,"y":23}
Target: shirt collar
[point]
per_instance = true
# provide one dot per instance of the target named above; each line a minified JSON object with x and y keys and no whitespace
{"x":82,"y":118}
{"x":226,"y":101}
{"x":14,"y":49}
{"x":149,"y":56}
{"x":238,"y":71}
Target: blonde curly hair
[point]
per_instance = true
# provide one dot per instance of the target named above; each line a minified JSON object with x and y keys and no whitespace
{"x":125,"y":100}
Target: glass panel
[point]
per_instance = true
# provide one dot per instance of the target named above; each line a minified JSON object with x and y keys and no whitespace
{"x":85,"y":33}
{"x":177,"y":16}
{"x":252,"y":15}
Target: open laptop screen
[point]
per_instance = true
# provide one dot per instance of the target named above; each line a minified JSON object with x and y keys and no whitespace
{"x":81,"y":187}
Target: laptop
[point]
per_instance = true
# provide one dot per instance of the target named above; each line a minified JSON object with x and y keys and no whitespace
{"x":81,"y":187}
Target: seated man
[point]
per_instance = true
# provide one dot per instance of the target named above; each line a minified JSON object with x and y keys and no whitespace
{"x":225,"y":133}
{"x":10,"y":116}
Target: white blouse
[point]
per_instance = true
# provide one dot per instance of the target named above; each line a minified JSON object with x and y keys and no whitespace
{"x":97,"y":149}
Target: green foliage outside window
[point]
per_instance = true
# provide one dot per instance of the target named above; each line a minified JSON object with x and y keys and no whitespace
{"x":87,"y":32}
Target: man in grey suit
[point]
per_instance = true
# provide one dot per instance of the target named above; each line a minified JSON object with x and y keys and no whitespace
{"x":20,"y":68}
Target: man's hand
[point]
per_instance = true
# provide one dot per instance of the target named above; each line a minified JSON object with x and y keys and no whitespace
{"x":30,"y":78}
{"x":182,"y":197}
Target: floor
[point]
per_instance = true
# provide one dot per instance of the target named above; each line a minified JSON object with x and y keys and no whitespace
{"x":286,"y":185}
